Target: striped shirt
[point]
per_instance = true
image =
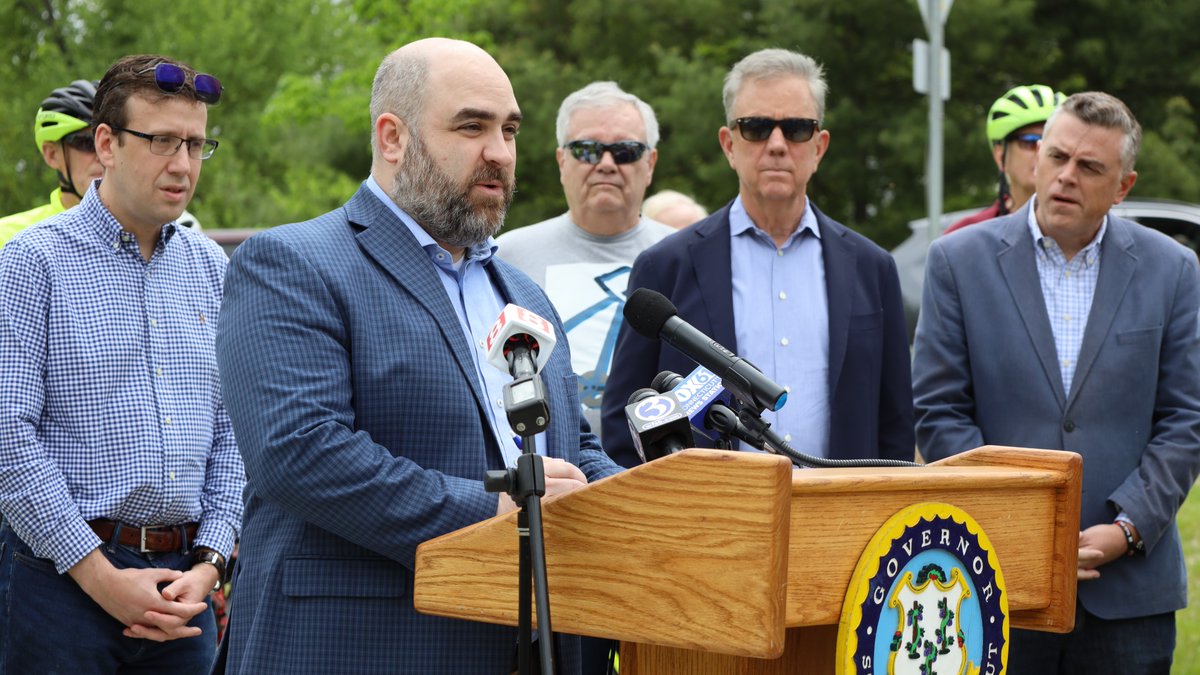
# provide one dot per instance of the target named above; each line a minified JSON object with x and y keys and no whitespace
{"x":111,"y":397}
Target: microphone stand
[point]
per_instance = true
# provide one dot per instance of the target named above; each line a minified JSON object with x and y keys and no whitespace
{"x":529,"y":414}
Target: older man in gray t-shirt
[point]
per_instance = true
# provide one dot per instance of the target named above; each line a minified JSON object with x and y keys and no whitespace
{"x":582,"y":258}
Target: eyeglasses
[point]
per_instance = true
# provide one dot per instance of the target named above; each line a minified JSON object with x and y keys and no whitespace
{"x":758,"y":129}
{"x":1027,"y":141}
{"x":162,"y":144}
{"x":170,"y":78}
{"x":81,"y":142}
{"x":592,"y":152}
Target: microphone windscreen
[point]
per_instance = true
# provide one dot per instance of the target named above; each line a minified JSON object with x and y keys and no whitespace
{"x":641,"y":395}
{"x":665,"y":381}
{"x":647,"y":311}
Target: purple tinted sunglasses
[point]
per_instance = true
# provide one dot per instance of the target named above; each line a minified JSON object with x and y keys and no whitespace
{"x":170,"y":78}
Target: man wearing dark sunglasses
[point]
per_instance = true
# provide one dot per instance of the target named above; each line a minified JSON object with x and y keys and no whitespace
{"x":120,"y":481}
{"x":62,"y":130}
{"x":606,"y":155}
{"x":1014,"y":129}
{"x":813,"y":304}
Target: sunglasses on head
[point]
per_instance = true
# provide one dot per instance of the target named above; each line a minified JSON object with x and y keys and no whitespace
{"x":81,"y":141}
{"x":592,"y":152}
{"x":795,"y":129}
{"x":1026,"y":141}
{"x":170,"y":79}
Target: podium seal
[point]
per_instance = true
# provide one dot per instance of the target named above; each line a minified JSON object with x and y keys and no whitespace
{"x":926,"y":598}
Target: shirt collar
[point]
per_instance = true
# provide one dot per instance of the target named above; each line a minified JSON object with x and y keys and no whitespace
{"x":481,"y":253}
{"x":740,"y":223}
{"x":1088,"y":253}
{"x":106,"y":225}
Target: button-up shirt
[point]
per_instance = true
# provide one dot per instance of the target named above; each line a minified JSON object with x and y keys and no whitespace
{"x":1068,"y":287}
{"x":781,"y":320}
{"x":112,"y":401}
{"x":477,"y":302}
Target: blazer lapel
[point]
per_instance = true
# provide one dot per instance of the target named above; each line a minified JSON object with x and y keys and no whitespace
{"x":711,"y":263}
{"x":1017,"y":264}
{"x":1117,"y":265}
{"x":386,"y":240}
{"x":841,"y":269}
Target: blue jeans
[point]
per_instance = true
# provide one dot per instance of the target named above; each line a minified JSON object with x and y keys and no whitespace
{"x":49,"y":626}
{"x":1140,"y":646}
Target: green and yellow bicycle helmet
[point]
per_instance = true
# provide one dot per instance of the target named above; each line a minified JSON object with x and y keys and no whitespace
{"x":1019,"y":107}
{"x":67,"y":110}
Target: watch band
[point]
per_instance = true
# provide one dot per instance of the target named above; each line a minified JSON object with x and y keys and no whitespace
{"x":208,"y":555}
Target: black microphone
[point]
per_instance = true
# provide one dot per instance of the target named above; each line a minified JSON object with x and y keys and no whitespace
{"x":697,"y":393}
{"x":652,"y":315}
{"x":658,"y":424}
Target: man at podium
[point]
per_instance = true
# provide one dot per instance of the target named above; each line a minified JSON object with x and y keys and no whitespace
{"x":1063,"y":326}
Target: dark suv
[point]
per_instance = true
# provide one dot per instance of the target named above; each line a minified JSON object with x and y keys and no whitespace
{"x":1176,"y":219}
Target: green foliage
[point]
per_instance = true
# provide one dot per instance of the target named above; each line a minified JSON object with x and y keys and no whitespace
{"x":295,"y":130}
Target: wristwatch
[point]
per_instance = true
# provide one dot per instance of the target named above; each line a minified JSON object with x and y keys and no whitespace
{"x":207,"y":555}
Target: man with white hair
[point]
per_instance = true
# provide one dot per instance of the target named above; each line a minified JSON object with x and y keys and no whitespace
{"x":606,"y":155}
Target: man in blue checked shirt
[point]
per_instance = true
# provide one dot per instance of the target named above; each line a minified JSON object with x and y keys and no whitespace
{"x":120,"y":482}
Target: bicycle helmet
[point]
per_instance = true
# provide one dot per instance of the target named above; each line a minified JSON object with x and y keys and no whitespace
{"x":1019,"y":107}
{"x":67,"y":110}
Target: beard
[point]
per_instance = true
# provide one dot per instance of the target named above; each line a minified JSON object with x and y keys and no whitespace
{"x":447,"y":210}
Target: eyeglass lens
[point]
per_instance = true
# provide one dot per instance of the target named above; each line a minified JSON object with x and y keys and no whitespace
{"x":170,"y":78}
{"x":592,"y":152}
{"x":1028,"y":141}
{"x":795,"y":129}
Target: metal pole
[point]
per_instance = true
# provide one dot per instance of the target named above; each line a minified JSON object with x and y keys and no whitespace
{"x":934,"y":170}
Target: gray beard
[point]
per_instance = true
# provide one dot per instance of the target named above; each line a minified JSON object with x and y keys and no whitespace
{"x":443,"y":209}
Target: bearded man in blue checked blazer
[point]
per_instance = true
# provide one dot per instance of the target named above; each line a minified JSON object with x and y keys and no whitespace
{"x":367,"y":414}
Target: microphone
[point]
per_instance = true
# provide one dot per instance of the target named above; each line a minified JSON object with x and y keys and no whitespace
{"x":658,"y":424}
{"x":519,"y":344}
{"x":697,"y":394}
{"x":519,"y":332}
{"x":652,"y":315}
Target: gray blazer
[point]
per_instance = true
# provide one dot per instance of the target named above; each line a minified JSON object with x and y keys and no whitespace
{"x":986,"y":372}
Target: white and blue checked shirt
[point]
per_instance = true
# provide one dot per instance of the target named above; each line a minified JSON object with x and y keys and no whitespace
{"x":111,"y":397}
{"x":1068,"y":287}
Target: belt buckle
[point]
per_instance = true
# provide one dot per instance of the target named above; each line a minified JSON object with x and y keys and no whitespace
{"x":142,"y":547}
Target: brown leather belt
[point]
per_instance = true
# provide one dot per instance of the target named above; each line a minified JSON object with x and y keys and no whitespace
{"x":160,"y":539}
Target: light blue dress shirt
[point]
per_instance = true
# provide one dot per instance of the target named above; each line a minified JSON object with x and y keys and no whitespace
{"x":1068,"y":288}
{"x":781,"y":320}
{"x":477,"y":302}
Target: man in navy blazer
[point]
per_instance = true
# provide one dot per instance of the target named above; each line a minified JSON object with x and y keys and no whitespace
{"x":351,"y":358}
{"x":814,"y":305}
{"x":1063,"y":326}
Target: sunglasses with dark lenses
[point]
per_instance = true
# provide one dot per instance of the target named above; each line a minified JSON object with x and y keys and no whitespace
{"x":1027,"y":141}
{"x":592,"y":152}
{"x":795,"y":129}
{"x":170,"y":78}
{"x":83,"y":142}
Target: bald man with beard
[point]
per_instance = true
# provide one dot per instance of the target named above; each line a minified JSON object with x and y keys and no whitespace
{"x":366,"y":411}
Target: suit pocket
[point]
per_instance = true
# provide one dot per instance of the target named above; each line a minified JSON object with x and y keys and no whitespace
{"x":870,"y":321}
{"x":1140,"y":336}
{"x":345,"y":578}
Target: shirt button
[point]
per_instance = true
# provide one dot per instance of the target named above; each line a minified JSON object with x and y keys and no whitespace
{"x":499,"y":403}
{"x":171,"y":475}
{"x":783,"y":341}
{"x":1066,"y":317}
{"x":1066,"y":362}
{"x":1068,"y":426}
{"x":153,"y":322}
{"x":167,"y":420}
{"x":158,"y":372}
{"x":782,"y":295}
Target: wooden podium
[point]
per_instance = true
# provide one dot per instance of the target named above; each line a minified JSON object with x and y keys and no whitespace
{"x":708,"y":562}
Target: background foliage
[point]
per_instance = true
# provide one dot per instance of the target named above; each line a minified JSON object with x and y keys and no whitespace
{"x":294,"y":126}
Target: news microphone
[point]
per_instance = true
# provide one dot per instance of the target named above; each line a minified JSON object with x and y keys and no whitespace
{"x":519,"y":332}
{"x":652,"y":315}
{"x":519,"y":344}
{"x":658,"y":424}
{"x":697,"y":393}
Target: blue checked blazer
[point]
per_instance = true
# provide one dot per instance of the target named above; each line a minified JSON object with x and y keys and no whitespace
{"x":353,"y":396}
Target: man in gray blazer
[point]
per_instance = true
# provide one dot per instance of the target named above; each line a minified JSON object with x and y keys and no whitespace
{"x":1062,"y":326}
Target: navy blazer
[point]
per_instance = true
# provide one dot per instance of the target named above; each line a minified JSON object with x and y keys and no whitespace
{"x":986,"y":372}
{"x":870,"y":386}
{"x":360,"y":418}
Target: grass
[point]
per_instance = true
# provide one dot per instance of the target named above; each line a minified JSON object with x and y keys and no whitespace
{"x":1187,"y":644}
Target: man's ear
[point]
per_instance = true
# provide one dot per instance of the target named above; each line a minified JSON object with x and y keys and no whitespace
{"x":52,"y":153}
{"x":391,"y":137}
{"x":105,"y":140}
